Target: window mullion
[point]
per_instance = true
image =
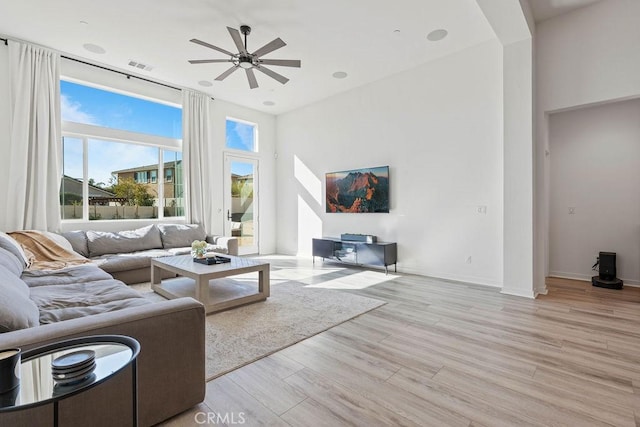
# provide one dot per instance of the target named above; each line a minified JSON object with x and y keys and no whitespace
{"x":85,"y":179}
{"x":160,"y":184}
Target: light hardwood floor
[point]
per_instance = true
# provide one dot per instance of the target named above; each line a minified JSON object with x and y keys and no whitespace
{"x":444,"y":353}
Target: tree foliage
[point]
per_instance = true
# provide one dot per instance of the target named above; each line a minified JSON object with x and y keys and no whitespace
{"x":137,"y":194}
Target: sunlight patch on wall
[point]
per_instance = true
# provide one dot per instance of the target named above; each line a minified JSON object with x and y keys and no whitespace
{"x":309,"y":226}
{"x":309,"y":181}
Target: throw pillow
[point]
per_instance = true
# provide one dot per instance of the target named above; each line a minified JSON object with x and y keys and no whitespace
{"x":11,"y":262}
{"x":180,"y":235}
{"x":59,"y":240}
{"x":78,"y":240}
{"x":17,"y":311}
{"x":9,"y":243}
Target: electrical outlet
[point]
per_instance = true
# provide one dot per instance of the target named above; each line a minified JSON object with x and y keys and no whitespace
{"x":572,"y":210}
{"x":482,"y":209}
{"x":469,"y":259}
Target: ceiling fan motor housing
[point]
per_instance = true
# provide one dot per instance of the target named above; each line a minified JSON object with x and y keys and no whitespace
{"x":246,"y":61}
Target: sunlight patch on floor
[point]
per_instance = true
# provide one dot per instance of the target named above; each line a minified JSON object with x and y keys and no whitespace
{"x":360,"y":280}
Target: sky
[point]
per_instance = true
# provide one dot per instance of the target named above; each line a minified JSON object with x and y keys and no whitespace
{"x":89,"y":105}
{"x":240,"y":136}
{"x":84,"y":104}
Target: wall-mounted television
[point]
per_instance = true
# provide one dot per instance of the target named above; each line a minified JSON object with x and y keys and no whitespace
{"x":358,"y":190}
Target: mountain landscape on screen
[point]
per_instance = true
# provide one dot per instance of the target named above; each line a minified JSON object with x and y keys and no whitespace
{"x":358,"y":191}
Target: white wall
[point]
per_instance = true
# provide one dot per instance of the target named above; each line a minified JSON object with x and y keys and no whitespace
{"x":590,"y":55}
{"x":219,"y":111}
{"x":586,"y":57}
{"x":518,"y":169}
{"x":513,"y":23}
{"x":439,"y":128}
{"x":595,"y":168}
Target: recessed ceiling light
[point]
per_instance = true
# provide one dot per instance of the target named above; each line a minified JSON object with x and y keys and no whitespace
{"x":437,"y":35}
{"x":269,"y":103}
{"x":339,"y":75}
{"x":396,"y":31}
{"x":205,"y":83}
{"x":94,"y":48}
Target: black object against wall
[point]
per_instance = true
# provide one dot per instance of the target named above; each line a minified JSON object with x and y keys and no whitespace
{"x":607,"y":272}
{"x":356,"y":252}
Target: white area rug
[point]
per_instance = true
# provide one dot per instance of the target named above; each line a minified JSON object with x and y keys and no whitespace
{"x":292,"y":313}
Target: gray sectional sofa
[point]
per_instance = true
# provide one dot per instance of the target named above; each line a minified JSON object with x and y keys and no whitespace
{"x":127,"y":255}
{"x":38,"y":307}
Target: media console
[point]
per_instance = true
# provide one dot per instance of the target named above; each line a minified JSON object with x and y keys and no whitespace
{"x":361,"y":253}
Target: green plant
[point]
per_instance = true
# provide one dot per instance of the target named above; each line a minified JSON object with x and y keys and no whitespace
{"x":136,"y":193}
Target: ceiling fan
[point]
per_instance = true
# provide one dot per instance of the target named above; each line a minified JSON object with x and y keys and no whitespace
{"x":248,"y":61}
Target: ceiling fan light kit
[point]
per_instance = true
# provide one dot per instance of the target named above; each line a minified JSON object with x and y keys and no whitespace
{"x":246,"y":60}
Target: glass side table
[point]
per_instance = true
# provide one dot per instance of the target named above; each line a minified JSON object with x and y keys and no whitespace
{"x":37,"y":387}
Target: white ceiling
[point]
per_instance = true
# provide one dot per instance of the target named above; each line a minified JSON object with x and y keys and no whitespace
{"x":358,"y":37}
{"x":545,"y":9}
{"x":354,"y":36}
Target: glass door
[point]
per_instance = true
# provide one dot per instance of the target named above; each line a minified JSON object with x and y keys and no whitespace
{"x":241,"y":202}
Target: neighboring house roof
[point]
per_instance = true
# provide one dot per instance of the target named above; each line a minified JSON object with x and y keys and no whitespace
{"x":235,"y":176}
{"x":167,"y":165}
{"x":74,"y":186}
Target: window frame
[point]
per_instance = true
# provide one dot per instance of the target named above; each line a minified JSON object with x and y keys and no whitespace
{"x":86,"y":132}
{"x":256,"y":142}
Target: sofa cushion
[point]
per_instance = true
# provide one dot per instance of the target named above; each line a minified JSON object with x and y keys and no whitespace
{"x":78,"y":240}
{"x":63,"y":302}
{"x":104,"y":242}
{"x":9,"y":243}
{"x":132,"y":261}
{"x":187,"y":250}
{"x":64,"y":276}
{"x":180,"y":235}
{"x":11,"y":262}
{"x":17,"y":311}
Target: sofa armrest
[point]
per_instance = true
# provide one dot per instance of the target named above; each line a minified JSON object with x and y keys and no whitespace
{"x":171,"y":363}
{"x":230,"y":242}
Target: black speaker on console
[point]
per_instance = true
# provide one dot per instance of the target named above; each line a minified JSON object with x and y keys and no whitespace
{"x":607,"y":269}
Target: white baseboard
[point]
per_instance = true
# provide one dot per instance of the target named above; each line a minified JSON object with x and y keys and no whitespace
{"x":587,"y":278}
{"x":527,"y":294}
{"x":473,"y":280}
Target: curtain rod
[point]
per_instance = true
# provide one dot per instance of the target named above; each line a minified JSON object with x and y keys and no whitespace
{"x":129,"y":76}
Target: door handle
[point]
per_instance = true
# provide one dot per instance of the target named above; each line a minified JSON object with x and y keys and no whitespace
{"x":228,"y":215}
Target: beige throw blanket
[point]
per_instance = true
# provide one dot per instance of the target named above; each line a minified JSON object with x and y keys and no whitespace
{"x":44,"y":253}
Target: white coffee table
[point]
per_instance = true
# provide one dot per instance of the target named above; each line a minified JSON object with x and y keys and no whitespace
{"x":197,"y":280}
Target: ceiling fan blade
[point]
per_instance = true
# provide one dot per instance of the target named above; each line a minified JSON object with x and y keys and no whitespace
{"x":279,"y":77}
{"x":282,"y":62}
{"x":210,"y":46}
{"x":207,"y":61}
{"x":270,"y":47}
{"x":237,"y":39}
{"x":253,"y":83}
{"x":226,"y":73}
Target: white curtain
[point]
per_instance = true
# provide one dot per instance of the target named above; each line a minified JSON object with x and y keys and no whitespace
{"x":196,"y":153}
{"x":36,"y":142}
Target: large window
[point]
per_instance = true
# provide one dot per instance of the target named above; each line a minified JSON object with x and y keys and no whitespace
{"x":241,"y":135}
{"x":114,"y":149}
